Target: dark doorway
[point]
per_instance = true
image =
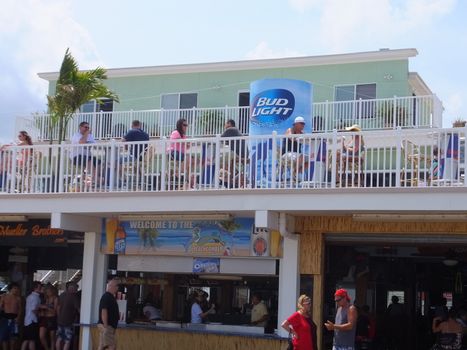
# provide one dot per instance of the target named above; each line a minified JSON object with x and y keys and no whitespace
{"x":416,"y":278}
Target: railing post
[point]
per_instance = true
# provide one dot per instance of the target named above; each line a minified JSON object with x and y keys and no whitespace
{"x":161,"y":123}
{"x":326,"y":116}
{"x":359,"y":118}
{"x":113,"y":163}
{"x":334,"y":158}
{"x":217,"y":161}
{"x":61,"y":166}
{"x":226,"y":111}
{"x":414,"y":108}
{"x":192,"y":122}
{"x":274,"y":160}
{"x":437,"y":113}
{"x":165,"y":172}
{"x":398,"y":157}
{"x":13,"y":169}
{"x":394,"y":112}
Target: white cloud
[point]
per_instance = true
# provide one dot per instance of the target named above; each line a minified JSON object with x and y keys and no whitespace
{"x":454,"y":105}
{"x":345,"y":25}
{"x":303,"y":5}
{"x":263,"y":51}
{"x":34,"y":35}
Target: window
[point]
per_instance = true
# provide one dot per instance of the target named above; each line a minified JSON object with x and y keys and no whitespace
{"x":365,"y":92}
{"x":179,"y":101}
{"x":355,"y":92}
{"x":106,"y":105}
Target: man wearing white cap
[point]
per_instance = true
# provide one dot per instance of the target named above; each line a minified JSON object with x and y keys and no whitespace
{"x":292,"y":147}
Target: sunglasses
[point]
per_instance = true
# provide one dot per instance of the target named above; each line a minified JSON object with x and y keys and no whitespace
{"x":85,"y":127}
{"x":185,"y":124}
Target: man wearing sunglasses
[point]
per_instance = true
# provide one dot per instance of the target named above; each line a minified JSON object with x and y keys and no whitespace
{"x":345,"y":324}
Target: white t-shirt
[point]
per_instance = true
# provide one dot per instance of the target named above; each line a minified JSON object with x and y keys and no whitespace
{"x":152,"y":313}
{"x":76,"y":151}
{"x":196,"y":313}
{"x":259,"y":310}
{"x":32,"y":304}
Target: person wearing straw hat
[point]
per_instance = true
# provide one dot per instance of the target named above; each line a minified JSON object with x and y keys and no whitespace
{"x":351,"y":158}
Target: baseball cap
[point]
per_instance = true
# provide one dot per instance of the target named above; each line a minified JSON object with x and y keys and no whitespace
{"x":299,"y":119}
{"x":342,"y":293}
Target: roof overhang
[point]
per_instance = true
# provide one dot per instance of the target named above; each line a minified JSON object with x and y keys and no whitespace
{"x":357,"y":57}
{"x":419,"y":87}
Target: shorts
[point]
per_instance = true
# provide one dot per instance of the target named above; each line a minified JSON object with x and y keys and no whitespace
{"x":31,"y":332}
{"x":50,"y":323}
{"x":107,"y":336}
{"x":336,"y":347}
{"x":176,"y":155}
{"x":83,"y":160}
{"x":65,"y":333}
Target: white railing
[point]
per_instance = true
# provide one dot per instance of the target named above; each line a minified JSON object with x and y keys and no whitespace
{"x":405,"y":112}
{"x":379,"y":159}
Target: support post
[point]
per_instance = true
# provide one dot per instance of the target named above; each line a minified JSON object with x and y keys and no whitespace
{"x":288,"y":280}
{"x":93,"y":285}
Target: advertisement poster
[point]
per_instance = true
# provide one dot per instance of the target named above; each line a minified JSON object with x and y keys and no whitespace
{"x":178,"y":237}
{"x":206,"y":265}
{"x":274,"y":105}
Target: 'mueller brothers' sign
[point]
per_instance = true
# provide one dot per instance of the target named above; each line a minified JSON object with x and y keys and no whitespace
{"x":32,"y":233}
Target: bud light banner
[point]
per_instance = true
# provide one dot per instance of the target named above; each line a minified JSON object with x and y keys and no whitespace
{"x":274,"y":105}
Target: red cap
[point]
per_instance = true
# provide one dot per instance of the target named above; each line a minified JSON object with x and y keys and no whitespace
{"x":342,"y":293}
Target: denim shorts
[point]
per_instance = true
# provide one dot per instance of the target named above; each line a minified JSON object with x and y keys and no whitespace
{"x":65,"y":333}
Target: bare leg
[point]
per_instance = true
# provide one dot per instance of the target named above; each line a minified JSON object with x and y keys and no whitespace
{"x":52,"y":338}
{"x":43,"y":337}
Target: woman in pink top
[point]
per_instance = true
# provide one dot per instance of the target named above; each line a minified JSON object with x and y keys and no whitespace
{"x":177,"y":154}
{"x":177,"y":149}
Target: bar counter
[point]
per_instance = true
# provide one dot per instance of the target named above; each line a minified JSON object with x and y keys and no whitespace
{"x":174,"y":335}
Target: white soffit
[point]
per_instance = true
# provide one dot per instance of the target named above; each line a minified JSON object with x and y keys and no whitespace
{"x":356,"y":57}
{"x":419,"y":87}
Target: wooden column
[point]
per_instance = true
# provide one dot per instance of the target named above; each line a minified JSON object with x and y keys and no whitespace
{"x":312,"y":262}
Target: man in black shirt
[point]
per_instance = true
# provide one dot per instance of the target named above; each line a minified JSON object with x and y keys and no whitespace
{"x":108,"y":316}
{"x":136,"y":134}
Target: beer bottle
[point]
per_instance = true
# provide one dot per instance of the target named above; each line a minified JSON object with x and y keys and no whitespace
{"x":120,"y":240}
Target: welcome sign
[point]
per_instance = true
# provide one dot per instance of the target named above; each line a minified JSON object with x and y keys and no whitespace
{"x":178,"y":237}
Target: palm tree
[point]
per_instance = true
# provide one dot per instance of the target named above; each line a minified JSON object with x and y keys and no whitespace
{"x":73,"y":89}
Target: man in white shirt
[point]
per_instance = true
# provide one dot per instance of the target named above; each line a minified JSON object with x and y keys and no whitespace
{"x":259,"y":312}
{"x":31,"y":325}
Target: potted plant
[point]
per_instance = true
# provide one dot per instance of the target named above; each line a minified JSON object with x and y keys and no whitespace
{"x":459,"y":123}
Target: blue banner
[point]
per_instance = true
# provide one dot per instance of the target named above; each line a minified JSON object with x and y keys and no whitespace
{"x":274,"y":105}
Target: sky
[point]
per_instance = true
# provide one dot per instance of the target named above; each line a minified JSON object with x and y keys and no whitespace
{"x":34,"y":35}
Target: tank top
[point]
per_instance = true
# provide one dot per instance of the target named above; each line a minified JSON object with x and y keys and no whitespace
{"x":343,"y":338}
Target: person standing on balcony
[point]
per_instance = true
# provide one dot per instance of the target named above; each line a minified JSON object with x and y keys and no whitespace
{"x":80,"y":155}
{"x":136,"y":134}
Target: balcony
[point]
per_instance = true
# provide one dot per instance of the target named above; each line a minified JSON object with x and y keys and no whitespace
{"x":412,"y":112}
{"x":392,"y":159}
